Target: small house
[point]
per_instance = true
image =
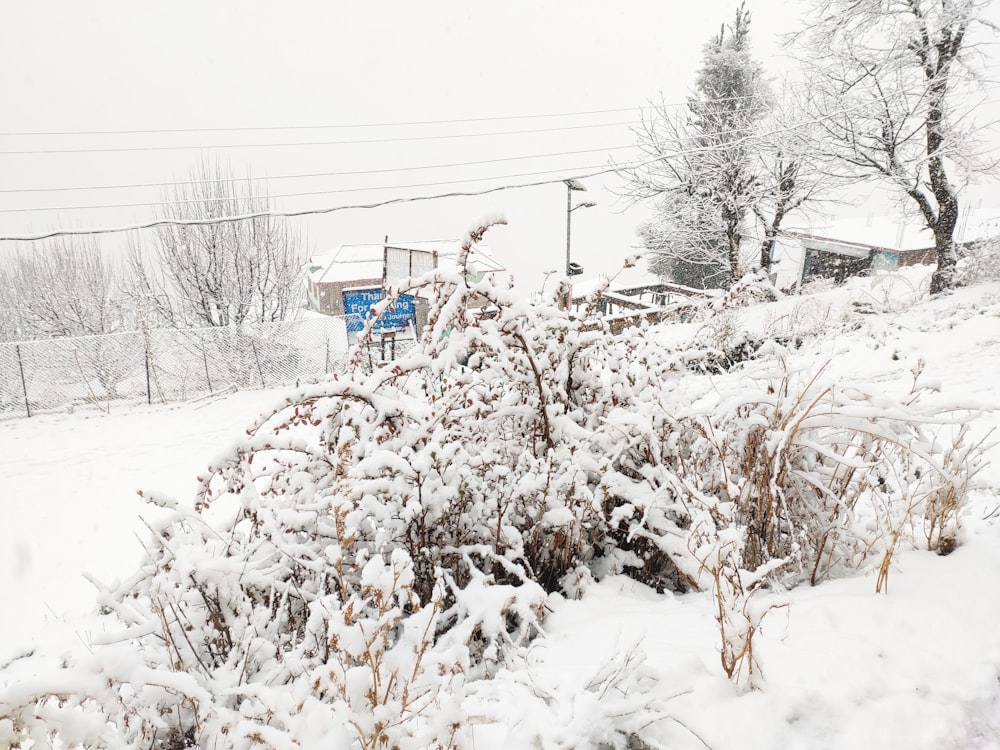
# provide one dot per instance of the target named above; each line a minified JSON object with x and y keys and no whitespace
{"x":352,"y":271}
{"x":349,"y":266}
{"x":824,"y":257}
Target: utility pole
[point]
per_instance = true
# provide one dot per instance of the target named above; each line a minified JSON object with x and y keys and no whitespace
{"x":572,"y":269}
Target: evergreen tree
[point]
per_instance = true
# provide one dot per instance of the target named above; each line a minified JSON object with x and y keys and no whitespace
{"x":713,"y":170}
{"x":731,"y":100}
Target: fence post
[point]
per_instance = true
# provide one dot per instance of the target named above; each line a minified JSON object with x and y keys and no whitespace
{"x":151,"y":375}
{"x":326,"y":368}
{"x":260,"y":370}
{"x":24,"y":384}
{"x":204,"y":356}
{"x":149,"y":390}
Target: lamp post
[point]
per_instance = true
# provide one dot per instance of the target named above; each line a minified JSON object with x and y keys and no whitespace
{"x":572,"y":269}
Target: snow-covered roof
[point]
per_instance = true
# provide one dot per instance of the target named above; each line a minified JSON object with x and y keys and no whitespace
{"x":625,"y":278}
{"x":346,"y":263}
{"x":884,"y":233}
{"x":364,"y":261}
{"x":849,"y":247}
{"x":899,"y":233}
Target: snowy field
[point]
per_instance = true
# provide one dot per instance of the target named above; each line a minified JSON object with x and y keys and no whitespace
{"x":843,"y":667}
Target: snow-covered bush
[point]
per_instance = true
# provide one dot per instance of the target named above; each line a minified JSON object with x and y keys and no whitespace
{"x":741,"y":604}
{"x":608,"y":708}
{"x":980,"y":263}
{"x":819,"y":473}
{"x":794,"y":477}
{"x":384,"y":538}
{"x":372,"y":552}
{"x":893,"y":291}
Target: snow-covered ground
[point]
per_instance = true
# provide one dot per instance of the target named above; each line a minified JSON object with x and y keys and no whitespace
{"x":70,"y":503}
{"x":843,"y":667}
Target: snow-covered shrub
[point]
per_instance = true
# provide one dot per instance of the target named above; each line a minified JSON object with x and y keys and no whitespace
{"x":726,"y":340}
{"x":287,"y":639}
{"x":382,"y":543}
{"x":961,"y":459}
{"x":741,"y":604}
{"x":809,"y":317}
{"x":753,"y":288}
{"x":793,"y":476}
{"x":609,"y":708}
{"x":980,"y":263}
{"x":385,"y":537}
{"x":821,"y":474}
{"x":893,"y":291}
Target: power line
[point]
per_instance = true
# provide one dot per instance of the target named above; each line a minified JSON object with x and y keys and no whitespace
{"x":330,"y":209}
{"x":292,"y":214}
{"x":678,"y":142}
{"x":742,"y":133}
{"x":400,"y":139}
{"x":412,"y":123}
{"x":271,"y":128}
{"x":364,"y":206}
{"x":316,"y":174}
{"x":251,"y":198}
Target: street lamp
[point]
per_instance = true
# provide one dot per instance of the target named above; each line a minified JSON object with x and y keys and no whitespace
{"x":573,"y":269}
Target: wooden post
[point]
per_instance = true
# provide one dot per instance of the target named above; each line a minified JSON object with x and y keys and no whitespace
{"x":24,"y":384}
{"x":260,"y":370}
{"x":204,"y":357}
{"x":149,"y":391}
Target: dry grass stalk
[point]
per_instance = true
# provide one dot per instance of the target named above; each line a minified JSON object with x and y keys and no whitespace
{"x":738,"y":616}
{"x":962,"y":462}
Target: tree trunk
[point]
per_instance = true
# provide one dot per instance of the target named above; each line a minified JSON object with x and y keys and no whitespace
{"x":947,"y":213}
{"x":947,"y":200}
{"x":765,"y":251}
{"x":944,"y":246}
{"x":734,"y":262}
{"x":732,"y":219}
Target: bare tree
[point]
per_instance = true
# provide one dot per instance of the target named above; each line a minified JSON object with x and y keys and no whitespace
{"x":789,"y":178}
{"x":223,"y":273}
{"x":11,"y":327}
{"x":62,"y":287}
{"x":65,"y":287}
{"x":890,"y":85}
{"x":717,"y":166}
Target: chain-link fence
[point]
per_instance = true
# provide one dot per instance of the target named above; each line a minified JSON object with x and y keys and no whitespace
{"x":163,"y":365}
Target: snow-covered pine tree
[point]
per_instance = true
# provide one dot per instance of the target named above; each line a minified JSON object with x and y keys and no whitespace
{"x":706,"y":180}
{"x":727,"y":160}
{"x":731,"y":99}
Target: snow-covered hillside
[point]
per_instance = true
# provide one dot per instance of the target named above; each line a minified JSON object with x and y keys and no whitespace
{"x":840,"y":665}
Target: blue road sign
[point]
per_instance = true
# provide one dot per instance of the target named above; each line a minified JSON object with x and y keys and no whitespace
{"x":358,"y":304}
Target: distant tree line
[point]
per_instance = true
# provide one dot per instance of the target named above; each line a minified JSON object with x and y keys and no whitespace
{"x":178,"y":276}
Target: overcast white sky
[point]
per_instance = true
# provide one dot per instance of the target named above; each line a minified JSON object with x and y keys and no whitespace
{"x":116,"y":65}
